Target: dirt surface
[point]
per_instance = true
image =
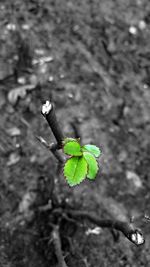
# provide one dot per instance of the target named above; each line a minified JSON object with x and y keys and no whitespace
{"x":92,"y":59}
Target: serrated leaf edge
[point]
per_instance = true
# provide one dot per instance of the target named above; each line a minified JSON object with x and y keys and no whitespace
{"x":88,"y":166}
{"x":71,"y":185}
{"x":86,"y":150}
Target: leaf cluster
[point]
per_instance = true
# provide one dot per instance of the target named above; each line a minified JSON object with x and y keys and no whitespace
{"x":82,"y":162}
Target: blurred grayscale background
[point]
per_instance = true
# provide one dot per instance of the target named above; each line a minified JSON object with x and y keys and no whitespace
{"x":92,"y":59}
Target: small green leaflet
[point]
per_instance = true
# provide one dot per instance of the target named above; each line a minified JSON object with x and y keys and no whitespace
{"x":75,"y":170}
{"x":92,"y":149}
{"x":72,"y":148}
{"x":68,"y":139}
{"x":92,"y":165}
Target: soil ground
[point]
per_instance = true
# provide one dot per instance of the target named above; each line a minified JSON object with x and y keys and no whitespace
{"x":91,"y":58}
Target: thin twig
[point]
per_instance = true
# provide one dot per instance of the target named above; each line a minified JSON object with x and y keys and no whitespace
{"x":52,"y":147}
{"x":57,"y":246}
{"x":129,"y":230}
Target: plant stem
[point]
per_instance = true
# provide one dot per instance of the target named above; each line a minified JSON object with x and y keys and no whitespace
{"x":48,"y":111}
{"x":132,"y":233}
{"x":128,"y":229}
{"x":57,"y":246}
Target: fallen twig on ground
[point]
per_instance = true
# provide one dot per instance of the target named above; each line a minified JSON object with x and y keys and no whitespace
{"x":128,"y":229}
{"x":57,"y":246}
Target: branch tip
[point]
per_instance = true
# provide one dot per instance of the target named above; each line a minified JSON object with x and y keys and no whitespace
{"x":46,"y":108}
{"x":137,"y":238}
{"x":133,"y":234}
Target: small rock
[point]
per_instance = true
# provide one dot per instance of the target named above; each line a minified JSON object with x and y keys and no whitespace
{"x":126,"y":111}
{"x":33,"y":158}
{"x":111,"y":47}
{"x":21,"y":92}
{"x":17,"y":145}
{"x":25,"y":27}
{"x":21,"y":80}
{"x":134,"y":179}
{"x":122,"y":156}
{"x":43,"y":69}
{"x":26,"y":202}
{"x":94,"y":231}
{"x":70,"y":95}
{"x":13,"y":159}
{"x":145,"y":86}
{"x":142,"y":25}
{"x":39,"y":52}
{"x":35,"y":61}
{"x":62,"y":76}
{"x":14,"y":131}
{"x":131,"y":130}
{"x":50,"y":78}
{"x":77,"y":96}
{"x":111,"y":129}
{"x":15,"y":57}
{"x":76,"y":28}
{"x":11,"y":27}
{"x":133,"y":30}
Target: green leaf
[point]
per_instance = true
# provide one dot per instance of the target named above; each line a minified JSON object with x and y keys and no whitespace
{"x":92,"y":165}
{"x":75,"y":170}
{"x":72,"y":148}
{"x":68,"y":139}
{"x":92,"y":149}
